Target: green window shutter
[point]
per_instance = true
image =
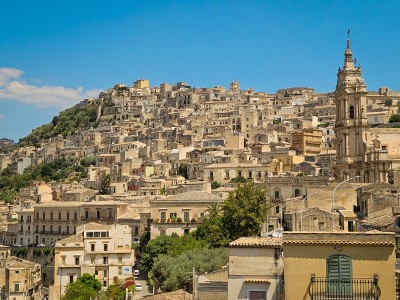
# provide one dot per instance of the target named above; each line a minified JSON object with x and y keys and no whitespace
{"x":339,"y":275}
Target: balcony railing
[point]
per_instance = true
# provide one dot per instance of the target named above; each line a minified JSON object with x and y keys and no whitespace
{"x":322,"y":288}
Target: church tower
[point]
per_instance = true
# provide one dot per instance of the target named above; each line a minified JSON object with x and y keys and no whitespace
{"x":351,"y":128}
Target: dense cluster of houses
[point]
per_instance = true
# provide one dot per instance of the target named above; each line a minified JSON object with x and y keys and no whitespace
{"x":329,"y":161}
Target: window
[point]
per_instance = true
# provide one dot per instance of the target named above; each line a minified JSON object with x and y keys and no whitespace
{"x":43,"y":228}
{"x":105,"y":247}
{"x":37,"y":216}
{"x":59,"y":215}
{"x":67,"y":216}
{"x":75,"y":216}
{"x":211,"y":175}
{"x":105,"y":274}
{"x":86,"y":214}
{"x":250,"y":174}
{"x":22,"y":218}
{"x":44,"y":215}
{"x":77,"y":260}
{"x":105,"y":283}
{"x":276,"y":194}
{"x":163,"y":216}
{"x":51,"y":228}
{"x":63,"y":260}
{"x":296,"y":192}
{"x":186,"y":216}
{"x":136,"y":230}
{"x":339,"y":273}
{"x":51,"y":216}
{"x":351,"y":112}
{"x":119,"y":260}
{"x":277,"y":209}
{"x":92,"y":247}
{"x":71,"y":278}
{"x":226,"y":174}
{"x":92,"y":260}
{"x":98,"y":214}
{"x":119,"y":271}
{"x":110,"y":214}
{"x":59,"y":229}
{"x":16,"y":286}
{"x":172,"y":215}
{"x":257,"y":295}
{"x":105,"y":260}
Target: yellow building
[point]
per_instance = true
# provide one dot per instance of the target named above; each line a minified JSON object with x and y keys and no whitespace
{"x":20,"y":279}
{"x":307,"y":141}
{"x":339,"y":265}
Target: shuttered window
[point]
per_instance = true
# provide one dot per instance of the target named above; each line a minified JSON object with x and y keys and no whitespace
{"x":339,"y":274}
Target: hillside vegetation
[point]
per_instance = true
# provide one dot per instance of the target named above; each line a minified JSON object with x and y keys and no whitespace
{"x":68,"y":122}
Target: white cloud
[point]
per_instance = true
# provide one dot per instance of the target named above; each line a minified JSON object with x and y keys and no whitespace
{"x":41,"y":96}
{"x":8,"y":73}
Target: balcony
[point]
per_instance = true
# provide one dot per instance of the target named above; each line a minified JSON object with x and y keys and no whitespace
{"x":322,"y":288}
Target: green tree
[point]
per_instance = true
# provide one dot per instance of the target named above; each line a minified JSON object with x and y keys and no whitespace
{"x":239,"y":179}
{"x":215,"y":184}
{"x":115,"y":291}
{"x":171,"y":273}
{"x":105,"y":183}
{"x":244,"y":211}
{"x":214,"y":209}
{"x":85,"y":287}
{"x":394,"y":118}
{"x":182,"y":170}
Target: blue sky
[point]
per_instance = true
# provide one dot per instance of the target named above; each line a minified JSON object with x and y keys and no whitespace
{"x":55,"y":53}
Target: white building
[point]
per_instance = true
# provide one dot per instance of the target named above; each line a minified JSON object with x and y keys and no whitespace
{"x":102,"y":250}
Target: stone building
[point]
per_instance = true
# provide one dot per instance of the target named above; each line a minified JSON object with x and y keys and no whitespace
{"x":102,"y":250}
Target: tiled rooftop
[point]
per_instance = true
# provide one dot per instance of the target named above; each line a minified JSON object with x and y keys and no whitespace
{"x":247,"y":242}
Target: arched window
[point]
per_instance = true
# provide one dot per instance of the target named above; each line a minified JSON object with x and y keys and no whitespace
{"x":296,"y":192}
{"x":339,"y":275}
{"x":351,"y":112}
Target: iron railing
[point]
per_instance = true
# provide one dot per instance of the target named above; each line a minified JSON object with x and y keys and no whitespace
{"x":322,"y":288}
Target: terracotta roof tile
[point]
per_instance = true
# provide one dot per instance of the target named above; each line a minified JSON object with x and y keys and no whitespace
{"x":250,"y":242}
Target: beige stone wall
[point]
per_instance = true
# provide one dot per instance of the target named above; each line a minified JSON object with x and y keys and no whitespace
{"x":253,"y":264}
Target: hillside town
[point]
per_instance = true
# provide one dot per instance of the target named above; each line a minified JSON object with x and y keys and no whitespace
{"x":161,"y":156}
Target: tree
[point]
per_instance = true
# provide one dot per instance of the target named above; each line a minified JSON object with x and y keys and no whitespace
{"x":115,"y":291}
{"x":171,"y":273}
{"x":105,"y":183}
{"x":214,"y":210}
{"x":215,"y":184}
{"x":182,"y":170}
{"x":85,"y":287}
{"x":239,"y":179}
{"x":244,"y":211}
{"x":394,"y":118}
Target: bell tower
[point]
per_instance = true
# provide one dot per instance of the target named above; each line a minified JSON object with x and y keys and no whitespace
{"x":351,"y":119}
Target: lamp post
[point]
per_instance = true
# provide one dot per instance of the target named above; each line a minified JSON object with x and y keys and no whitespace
{"x":282,"y":205}
{"x":61,"y":233}
{"x":333,"y":198}
{"x":301,"y":212}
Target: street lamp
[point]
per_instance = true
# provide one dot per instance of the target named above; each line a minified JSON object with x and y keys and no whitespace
{"x":301,"y":212}
{"x":282,"y":205}
{"x":333,"y":198}
{"x":61,"y":233}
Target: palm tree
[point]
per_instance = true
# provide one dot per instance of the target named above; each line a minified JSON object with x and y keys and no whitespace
{"x":214,"y":209}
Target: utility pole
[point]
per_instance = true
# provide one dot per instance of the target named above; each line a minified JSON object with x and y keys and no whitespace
{"x":194,"y":283}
